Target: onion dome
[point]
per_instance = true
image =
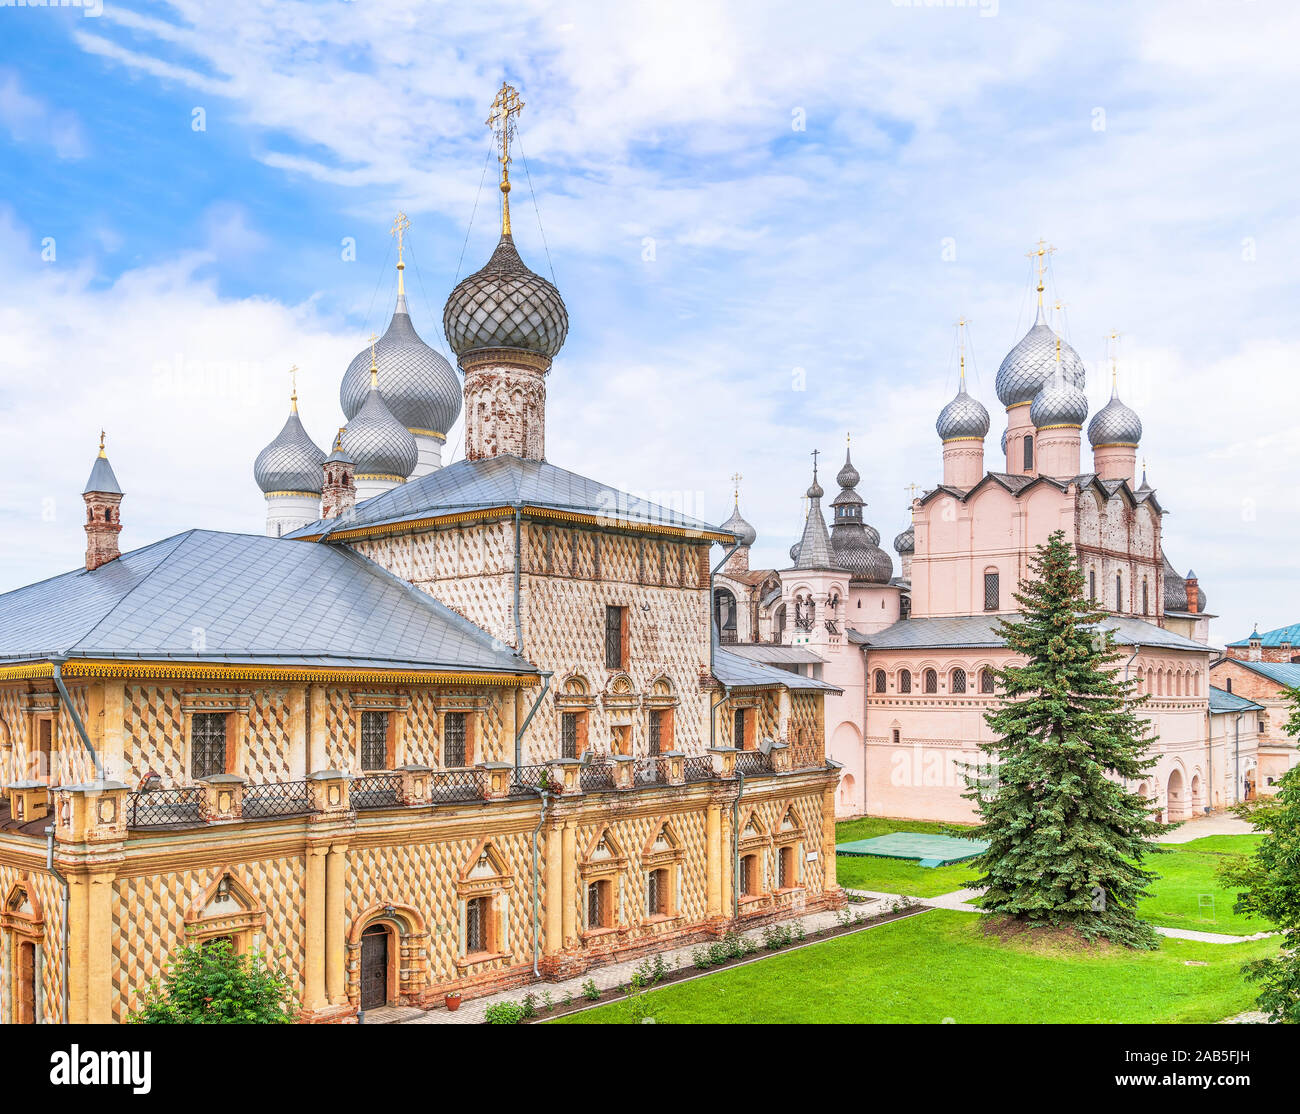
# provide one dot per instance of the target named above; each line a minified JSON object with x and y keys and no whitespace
{"x":382,"y":447}
{"x":853,"y":542}
{"x":1115,"y":424}
{"x":906,"y":541}
{"x":291,"y":462}
{"x":505,"y":305}
{"x":1004,"y":441}
{"x":847,"y":477}
{"x":1028,"y":366}
{"x":1059,"y":403}
{"x":1175,"y":586}
{"x":736,"y":524}
{"x":418,"y":384}
{"x":964,"y":418}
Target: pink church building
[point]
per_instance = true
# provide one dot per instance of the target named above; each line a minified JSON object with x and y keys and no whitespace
{"x":914,"y":652}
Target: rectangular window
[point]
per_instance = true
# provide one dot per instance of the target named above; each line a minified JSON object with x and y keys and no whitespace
{"x":568,"y":734}
{"x":992,"y":592}
{"x":1146,"y":598}
{"x":749,"y":876}
{"x":476,"y":925}
{"x":1029,"y":454}
{"x":660,"y":731}
{"x":44,"y":750}
{"x":1119,"y":592}
{"x":958,"y":680}
{"x":1092,"y":584}
{"x":598,"y":904}
{"x":785,"y":869}
{"x":374,"y":740}
{"x":453,"y":739}
{"x":615,"y":622}
{"x":656,"y":903}
{"x":905,"y":681}
{"x":738,"y":729}
{"x":207,"y":744}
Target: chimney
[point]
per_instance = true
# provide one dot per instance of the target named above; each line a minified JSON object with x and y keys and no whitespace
{"x":339,"y":488}
{"x":1193,"y":593}
{"x":103,"y":499}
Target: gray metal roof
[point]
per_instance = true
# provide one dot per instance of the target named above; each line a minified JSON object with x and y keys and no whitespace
{"x":1223,"y":701}
{"x":245,"y":598}
{"x":766,"y":652}
{"x":102,"y":478}
{"x":503,"y":481}
{"x":735,"y":671}
{"x":980,"y":631}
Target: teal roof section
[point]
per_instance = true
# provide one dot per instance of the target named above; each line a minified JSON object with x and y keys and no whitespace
{"x":1223,"y":701}
{"x":1284,"y":673}
{"x":1273,"y":638}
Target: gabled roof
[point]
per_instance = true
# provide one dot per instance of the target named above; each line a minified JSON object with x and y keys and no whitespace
{"x":1275,"y":638}
{"x":217,"y":598}
{"x":1284,"y":673}
{"x":504,"y":483}
{"x":734,"y":671}
{"x":1017,"y":485}
{"x":980,"y":631}
{"x":1223,"y":701}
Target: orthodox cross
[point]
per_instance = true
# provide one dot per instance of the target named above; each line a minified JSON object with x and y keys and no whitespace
{"x":102,"y":435}
{"x":911,"y":490}
{"x":815,"y":454}
{"x":961,"y":346}
{"x":505,"y":110}
{"x":736,"y":477}
{"x":1040,"y":254}
{"x":1114,"y":355}
{"x":293,"y":380}
{"x":374,"y":367}
{"x":400,"y":225}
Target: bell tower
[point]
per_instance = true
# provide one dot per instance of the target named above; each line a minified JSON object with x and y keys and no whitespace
{"x":103,"y":499}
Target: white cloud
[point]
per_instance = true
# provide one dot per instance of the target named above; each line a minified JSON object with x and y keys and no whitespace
{"x":29,"y":120}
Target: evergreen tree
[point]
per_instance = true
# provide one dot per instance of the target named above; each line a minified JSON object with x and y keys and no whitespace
{"x":1066,"y":841}
{"x":1270,"y":878}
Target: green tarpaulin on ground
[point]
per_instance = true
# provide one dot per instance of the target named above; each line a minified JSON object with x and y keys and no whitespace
{"x":931,"y":850}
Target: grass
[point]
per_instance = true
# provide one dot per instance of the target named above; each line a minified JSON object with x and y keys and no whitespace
{"x":939,"y":965}
{"x":1189,"y":871}
{"x":895,"y":876}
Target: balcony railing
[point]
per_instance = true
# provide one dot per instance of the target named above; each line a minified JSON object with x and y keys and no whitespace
{"x":752,"y":762}
{"x":652,"y":770}
{"x":377,"y":791}
{"x":459,"y":785}
{"x":698,"y":768}
{"x":165,"y":808}
{"x":596,"y":778}
{"x":276,"y":798}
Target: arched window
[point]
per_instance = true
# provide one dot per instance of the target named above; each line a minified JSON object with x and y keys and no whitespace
{"x":778,"y":624}
{"x":1029,"y":454}
{"x":1229,"y":684}
{"x":880,"y":680}
{"x":1146,"y":597}
{"x":724,"y":614}
{"x":931,"y":681}
{"x":958,"y":681}
{"x":904,"y":680}
{"x":1119,"y":591}
{"x":986,"y":681}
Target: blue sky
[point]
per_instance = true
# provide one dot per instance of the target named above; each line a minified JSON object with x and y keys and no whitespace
{"x":707,"y":244}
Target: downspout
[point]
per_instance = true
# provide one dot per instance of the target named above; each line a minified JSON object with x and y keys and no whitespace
{"x":67,"y":901}
{"x":76,"y":719}
{"x":519,"y":734}
{"x":1236,"y":760}
{"x":1137,"y":649}
{"x":537,"y":921}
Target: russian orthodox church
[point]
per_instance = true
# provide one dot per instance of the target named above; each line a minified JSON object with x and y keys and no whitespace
{"x":441,"y":730}
{"x":915,"y":652}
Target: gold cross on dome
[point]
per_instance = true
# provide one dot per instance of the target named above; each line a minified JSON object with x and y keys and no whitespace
{"x":400,"y":225}
{"x":293,"y":381}
{"x":912,"y":489}
{"x":1040,"y":254}
{"x":736,"y":477}
{"x":102,"y":435}
{"x":505,"y":110}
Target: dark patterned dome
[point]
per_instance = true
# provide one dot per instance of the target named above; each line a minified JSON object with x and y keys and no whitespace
{"x":505,"y":305}
{"x":963,"y":418}
{"x":1115,"y":424}
{"x":418,"y":384}
{"x":1175,"y":586}
{"x":292,"y":462}
{"x":906,"y":541}
{"x":1028,"y":366}
{"x":862,"y":559}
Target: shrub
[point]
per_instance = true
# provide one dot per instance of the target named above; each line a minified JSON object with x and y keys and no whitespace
{"x":590,"y":991}
{"x":210,"y":984}
{"x":660,"y":970}
{"x":504,"y":1013}
{"x":700,"y":957}
{"x":530,"y":1005}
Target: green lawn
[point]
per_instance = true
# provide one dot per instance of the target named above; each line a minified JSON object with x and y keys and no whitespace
{"x":939,"y":965}
{"x":1189,"y":871}
{"x":895,"y":876}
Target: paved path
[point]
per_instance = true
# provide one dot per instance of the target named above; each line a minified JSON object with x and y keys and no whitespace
{"x":1220,"y":823}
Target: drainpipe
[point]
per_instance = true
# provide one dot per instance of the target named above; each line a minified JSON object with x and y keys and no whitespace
{"x":76,"y":719}
{"x":519,"y":619}
{"x":1137,"y":649}
{"x":1236,"y":761}
{"x":537,"y":922}
{"x":63,"y":959}
{"x":519,"y":734}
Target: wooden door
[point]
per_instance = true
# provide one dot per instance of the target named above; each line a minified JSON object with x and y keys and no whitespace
{"x":374,"y":968}
{"x":26,"y":1004}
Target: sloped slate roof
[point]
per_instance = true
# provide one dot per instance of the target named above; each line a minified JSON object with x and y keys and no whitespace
{"x":1275,"y":638}
{"x":980,"y":631}
{"x":1223,"y":701}
{"x":767,"y":652}
{"x":502,"y":481}
{"x":244,"y":598}
{"x":1284,"y":673}
{"x":736,"y":672}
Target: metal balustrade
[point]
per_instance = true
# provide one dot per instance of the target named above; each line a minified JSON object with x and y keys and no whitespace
{"x":458,"y":785}
{"x":751,"y":762}
{"x":651,"y":770}
{"x":698,"y":767}
{"x":165,"y":808}
{"x":276,"y":798}
{"x":596,"y":777}
{"x":377,"y":791}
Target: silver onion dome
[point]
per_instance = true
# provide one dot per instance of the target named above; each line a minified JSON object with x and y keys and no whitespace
{"x":736,"y":524}
{"x":379,"y":444}
{"x":418,"y":384}
{"x":291,"y":462}
{"x":848,"y":476}
{"x":505,"y":305}
{"x":1059,"y":403}
{"x":1028,"y":366}
{"x":906,"y":541}
{"x":1004,"y":441}
{"x":963,"y":418}
{"x":1115,"y":424}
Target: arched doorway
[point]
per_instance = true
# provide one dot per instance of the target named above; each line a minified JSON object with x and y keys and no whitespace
{"x":848,"y":791}
{"x":374,"y":966}
{"x":1198,"y":805}
{"x":1177,"y":801}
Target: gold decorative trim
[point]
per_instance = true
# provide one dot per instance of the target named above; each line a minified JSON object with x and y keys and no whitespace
{"x":1117,"y":445}
{"x":23,"y":672}
{"x":514,"y":358}
{"x":950,"y":440}
{"x":1061,"y":425}
{"x":1018,"y":405}
{"x":174,"y":670}
{"x":414,"y":432}
{"x":307,"y":494}
{"x":380,"y":476}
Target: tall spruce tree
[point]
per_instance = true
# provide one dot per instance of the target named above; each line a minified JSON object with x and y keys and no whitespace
{"x":1066,"y":837}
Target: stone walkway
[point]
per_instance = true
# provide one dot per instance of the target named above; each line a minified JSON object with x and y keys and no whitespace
{"x":1220,"y":823}
{"x":472,"y":1010}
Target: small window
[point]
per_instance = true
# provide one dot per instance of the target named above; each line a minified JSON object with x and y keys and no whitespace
{"x":904,"y":681}
{"x":931,"y":681}
{"x":958,"y":680}
{"x":1029,"y":454}
{"x":44,"y":757}
{"x":599,"y":913}
{"x":374,"y":740}
{"x":1262,"y":727}
{"x":749,"y":876}
{"x":477,"y":917}
{"x":568,"y":734}
{"x":992,"y":592}
{"x":738,"y":736}
{"x":785,"y":869}
{"x":615,"y":632}
{"x":1119,"y":591}
{"x":1146,"y":598}
{"x":1228,"y":684}
{"x":986,"y":681}
{"x":453,"y":739}
{"x":208,"y":744}
{"x":898,"y":736}
{"x":656,"y":894}
{"x":659,"y":731}
{"x":880,"y":680}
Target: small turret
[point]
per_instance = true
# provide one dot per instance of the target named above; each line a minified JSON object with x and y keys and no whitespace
{"x":339,"y":489}
{"x":746,"y":535}
{"x":103,"y":499}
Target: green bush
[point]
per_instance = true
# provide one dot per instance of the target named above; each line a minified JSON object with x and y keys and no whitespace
{"x":504,"y":1013}
{"x":210,"y":984}
{"x":590,"y":991}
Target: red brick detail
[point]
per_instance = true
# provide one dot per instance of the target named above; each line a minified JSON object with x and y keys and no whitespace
{"x":103,"y":524}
